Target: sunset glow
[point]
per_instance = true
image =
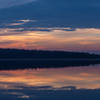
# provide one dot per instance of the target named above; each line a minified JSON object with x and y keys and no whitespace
{"x":78,"y":40}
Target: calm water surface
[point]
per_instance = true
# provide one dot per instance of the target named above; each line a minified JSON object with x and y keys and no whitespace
{"x":55,"y":83}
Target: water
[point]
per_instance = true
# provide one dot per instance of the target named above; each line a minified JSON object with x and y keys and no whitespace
{"x":72,"y":83}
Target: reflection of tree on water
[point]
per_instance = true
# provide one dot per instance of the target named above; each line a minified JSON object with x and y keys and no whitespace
{"x":7,"y":65}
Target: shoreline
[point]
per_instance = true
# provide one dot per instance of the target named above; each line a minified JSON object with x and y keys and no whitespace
{"x":50,"y":59}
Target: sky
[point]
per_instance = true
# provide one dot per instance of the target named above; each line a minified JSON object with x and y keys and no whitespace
{"x":70,"y":25}
{"x":9,"y":3}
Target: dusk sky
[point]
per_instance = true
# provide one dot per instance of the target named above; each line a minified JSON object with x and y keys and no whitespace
{"x":70,"y":25}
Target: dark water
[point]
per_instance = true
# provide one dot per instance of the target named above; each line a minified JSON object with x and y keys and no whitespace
{"x":73,"y":83}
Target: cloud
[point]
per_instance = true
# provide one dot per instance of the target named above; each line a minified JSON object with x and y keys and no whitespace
{"x":6,"y":42}
{"x":9,"y":3}
{"x":21,"y":22}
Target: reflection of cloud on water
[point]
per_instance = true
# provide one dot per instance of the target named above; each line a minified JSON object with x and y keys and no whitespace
{"x":46,"y":93}
{"x":81,"y":82}
{"x":78,"y":77}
